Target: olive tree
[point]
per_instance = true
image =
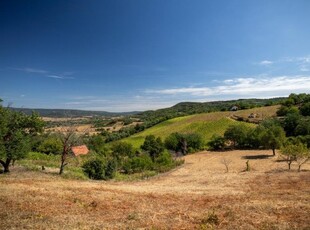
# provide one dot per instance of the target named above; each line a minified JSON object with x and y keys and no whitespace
{"x":291,"y":152}
{"x":16,"y":129}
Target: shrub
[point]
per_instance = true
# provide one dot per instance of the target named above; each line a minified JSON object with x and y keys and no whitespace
{"x":51,"y":145}
{"x":95,"y":169}
{"x":110,"y":170}
{"x":194,"y":141}
{"x":153,"y":146}
{"x":164,"y":158}
{"x":184,"y":143}
{"x":138,"y":164}
{"x":217,"y":143}
{"x":211,"y":219}
{"x":165,"y":162}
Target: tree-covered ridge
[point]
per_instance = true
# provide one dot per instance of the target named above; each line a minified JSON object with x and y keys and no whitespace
{"x":188,"y":108}
{"x":63,"y":113}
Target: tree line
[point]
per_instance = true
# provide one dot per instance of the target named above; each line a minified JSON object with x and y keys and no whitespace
{"x":289,"y":132}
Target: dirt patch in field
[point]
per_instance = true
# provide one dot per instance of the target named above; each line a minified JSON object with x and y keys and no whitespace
{"x":198,"y":195}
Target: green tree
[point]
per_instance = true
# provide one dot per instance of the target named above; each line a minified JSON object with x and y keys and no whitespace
{"x":122,"y":151}
{"x":16,"y":129}
{"x":97,"y":144}
{"x":153,"y":146}
{"x":273,"y":137}
{"x":51,"y":145}
{"x":290,"y":123}
{"x":295,"y":152}
{"x":303,"y":127}
{"x":303,"y":155}
{"x":172,"y":142}
{"x":305,"y":109}
{"x":238,"y":134}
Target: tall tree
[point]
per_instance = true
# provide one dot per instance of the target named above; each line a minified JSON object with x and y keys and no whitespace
{"x":273,"y":138}
{"x":16,"y":129}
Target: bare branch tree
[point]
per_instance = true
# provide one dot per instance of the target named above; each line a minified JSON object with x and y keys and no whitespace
{"x":226,"y":162}
{"x":69,"y":138}
{"x":302,"y":158}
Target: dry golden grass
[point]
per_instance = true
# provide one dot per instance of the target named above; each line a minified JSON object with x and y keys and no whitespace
{"x":268,"y":197}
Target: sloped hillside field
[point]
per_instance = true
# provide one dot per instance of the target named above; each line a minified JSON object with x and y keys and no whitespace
{"x":205,"y":124}
{"x":198,"y":195}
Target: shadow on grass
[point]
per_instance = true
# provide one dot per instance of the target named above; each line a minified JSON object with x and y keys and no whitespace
{"x":255,"y":157}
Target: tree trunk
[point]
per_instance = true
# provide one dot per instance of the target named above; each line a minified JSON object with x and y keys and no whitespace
{"x":6,"y":165}
{"x":62,"y":166}
{"x":299,"y":168}
{"x":289,"y":165}
{"x":61,"y":169}
{"x":274,"y":151}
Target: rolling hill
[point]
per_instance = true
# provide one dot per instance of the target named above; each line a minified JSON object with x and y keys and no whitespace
{"x":63,"y":113}
{"x":206,"y":124}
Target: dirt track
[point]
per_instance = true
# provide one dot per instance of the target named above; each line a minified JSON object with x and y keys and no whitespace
{"x":267,"y":197}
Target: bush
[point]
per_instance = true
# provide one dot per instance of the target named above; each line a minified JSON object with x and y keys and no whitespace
{"x":184,"y":143}
{"x":217,"y":143}
{"x":194,"y":142}
{"x":138,"y":164}
{"x":51,"y":145}
{"x":211,"y":219}
{"x":95,"y":169}
{"x":164,"y":158}
{"x":153,"y":146}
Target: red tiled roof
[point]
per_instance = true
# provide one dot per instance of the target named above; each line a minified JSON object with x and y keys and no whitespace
{"x":80,"y":150}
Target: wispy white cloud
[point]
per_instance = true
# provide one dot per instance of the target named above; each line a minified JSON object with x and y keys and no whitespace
{"x":304,"y":68}
{"x":45,"y":73}
{"x":265,"y":63}
{"x":249,"y":86}
{"x":32,"y":70}
{"x":59,"y":77}
{"x":301,"y":63}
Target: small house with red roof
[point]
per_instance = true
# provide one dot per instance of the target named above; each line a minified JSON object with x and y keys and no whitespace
{"x":80,"y":150}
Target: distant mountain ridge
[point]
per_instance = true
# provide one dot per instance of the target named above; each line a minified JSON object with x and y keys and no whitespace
{"x":182,"y":108}
{"x":71,"y":112}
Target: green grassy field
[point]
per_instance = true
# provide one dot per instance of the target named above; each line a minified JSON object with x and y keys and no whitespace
{"x":205,"y":124}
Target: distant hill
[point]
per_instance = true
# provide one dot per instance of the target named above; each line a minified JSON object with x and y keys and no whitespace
{"x":205,"y":124}
{"x":156,"y":116}
{"x":71,"y":112}
{"x":188,"y":108}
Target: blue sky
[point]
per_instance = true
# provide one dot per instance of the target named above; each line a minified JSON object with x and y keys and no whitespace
{"x":122,"y":55}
